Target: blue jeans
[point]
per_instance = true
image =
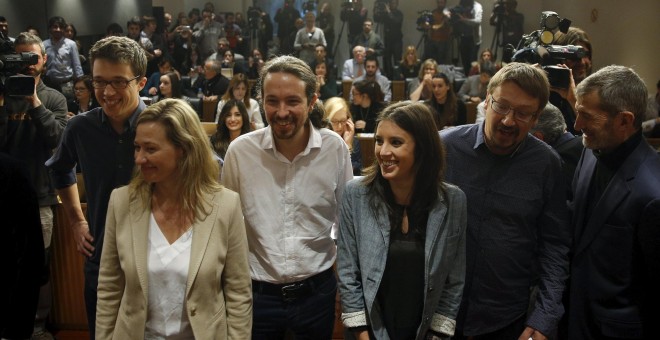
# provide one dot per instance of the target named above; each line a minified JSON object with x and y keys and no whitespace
{"x":311,"y":317}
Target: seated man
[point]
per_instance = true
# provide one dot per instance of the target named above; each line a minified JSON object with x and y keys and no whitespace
{"x":213,"y":85}
{"x":321,"y":54}
{"x":372,"y":73}
{"x":474,"y":87}
{"x":354,"y":67}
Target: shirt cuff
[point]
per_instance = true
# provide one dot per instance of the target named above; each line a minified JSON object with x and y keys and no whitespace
{"x":443,"y":324}
{"x":355,"y":319}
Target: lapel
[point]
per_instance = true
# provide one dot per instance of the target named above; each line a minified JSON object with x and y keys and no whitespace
{"x":616,"y":192}
{"x":434,"y":225}
{"x":200,"y":241}
{"x":139,"y":221}
{"x":382,"y":220}
{"x":581,"y":181}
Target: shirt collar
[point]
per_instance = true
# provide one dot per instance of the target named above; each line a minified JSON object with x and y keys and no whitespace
{"x":314,"y":141}
{"x":481,"y":140}
{"x":132,"y":120}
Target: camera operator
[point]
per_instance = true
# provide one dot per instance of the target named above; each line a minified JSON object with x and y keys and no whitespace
{"x":467,"y":26}
{"x":4,"y":28}
{"x":30,"y":128}
{"x":510,"y":24}
{"x":354,"y":15}
{"x":391,"y":17}
{"x":326,"y":21}
{"x":580,"y":68}
{"x":286,"y":27}
{"x":438,"y":34}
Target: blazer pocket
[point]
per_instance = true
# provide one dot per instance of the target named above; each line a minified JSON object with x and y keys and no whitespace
{"x":620,"y":329}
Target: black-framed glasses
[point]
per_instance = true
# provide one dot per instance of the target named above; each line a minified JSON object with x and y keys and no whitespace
{"x":117,"y":84}
{"x":504,"y":109}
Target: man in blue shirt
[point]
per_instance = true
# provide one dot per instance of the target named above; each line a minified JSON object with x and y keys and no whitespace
{"x":518,"y":229}
{"x":101,"y":142}
{"x":63,"y":63}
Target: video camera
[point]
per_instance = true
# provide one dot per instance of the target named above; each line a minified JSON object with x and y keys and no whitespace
{"x":424,"y":20}
{"x":499,"y":8}
{"x":254,"y":17}
{"x":537,"y":48}
{"x":309,"y":6}
{"x":11,"y":63}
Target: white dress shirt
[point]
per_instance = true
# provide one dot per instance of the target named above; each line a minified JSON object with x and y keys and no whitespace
{"x":290,"y":207}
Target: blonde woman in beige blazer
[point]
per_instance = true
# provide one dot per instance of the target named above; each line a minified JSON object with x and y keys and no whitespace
{"x":188,"y":209}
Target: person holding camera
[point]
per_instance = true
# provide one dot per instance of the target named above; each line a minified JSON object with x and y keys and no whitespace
{"x":388,"y":14}
{"x":30,"y":128}
{"x":438,"y":34}
{"x":509,"y":24}
{"x":467,"y":27}
{"x":354,"y":15}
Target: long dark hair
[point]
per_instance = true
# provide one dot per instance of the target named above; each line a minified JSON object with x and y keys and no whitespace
{"x":238,"y":79}
{"x":371,"y":89}
{"x":449,"y":113}
{"x":175,"y":83}
{"x":220,"y":139}
{"x":429,"y":168}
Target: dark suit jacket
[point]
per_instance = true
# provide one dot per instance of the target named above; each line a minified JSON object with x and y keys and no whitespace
{"x":616,"y":255}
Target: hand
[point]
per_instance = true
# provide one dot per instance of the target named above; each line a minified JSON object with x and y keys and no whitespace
{"x":569,"y":93}
{"x":83,"y":238}
{"x":153,"y":91}
{"x":320,"y":80}
{"x":349,"y":133}
{"x":648,"y":125}
{"x":360,"y":124}
{"x":475,"y":99}
{"x":158,"y":52}
{"x":531,"y":333}
{"x":362,"y":335}
{"x":33,"y":100}
{"x":70,"y":115}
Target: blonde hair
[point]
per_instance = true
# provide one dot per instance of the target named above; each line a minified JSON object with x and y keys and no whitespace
{"x":197,"y":169}
{"x":334,"y":105}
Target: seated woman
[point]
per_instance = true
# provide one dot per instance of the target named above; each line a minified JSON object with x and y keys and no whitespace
{"x":239,"y":89}
{"x":85,"y":99}
{"x":232,"y":122}
{"x":401,"y":245}
{"x":229,"y":61}
{"x":339,"y":116}
{"x":255,"y":63}
{"x":410,"y":64}
{"x":327,"y":87}
{"x":445,"y":106}
{"x":367,"y":104}
{"x":170,"y":87}
{"x":420,"y":88}
{"x":486,"y":56}
{"x":175,"y":254}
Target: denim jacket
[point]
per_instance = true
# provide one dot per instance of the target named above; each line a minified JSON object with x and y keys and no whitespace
{"x":363,"y":244}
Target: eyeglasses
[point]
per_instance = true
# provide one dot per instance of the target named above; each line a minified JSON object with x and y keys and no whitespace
{"x":503,"y":109}
{"x":338,"y":122}
{"x":117,"y":84}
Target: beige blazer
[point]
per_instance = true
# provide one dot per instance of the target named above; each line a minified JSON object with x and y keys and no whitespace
{"x":218,"y":292}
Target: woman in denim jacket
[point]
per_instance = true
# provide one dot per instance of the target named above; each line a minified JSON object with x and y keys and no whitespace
{"x":401,"y":245}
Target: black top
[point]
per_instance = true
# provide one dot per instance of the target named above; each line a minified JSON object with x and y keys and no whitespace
{"x":401,"y":291}
{"x":440,"y":116}
{"x":368,"y":114}
{"x":408,"y":71}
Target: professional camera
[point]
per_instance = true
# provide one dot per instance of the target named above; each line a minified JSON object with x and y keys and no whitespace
{"x":424,"y":20}
{"x":309,"y":6}
{"x":254,"y":17}
{"x":499,"y":8}
{"x":456,"y":11}
{"x":348,"y":5}
{"x":11,"y":63}
{"x":537,"y":48}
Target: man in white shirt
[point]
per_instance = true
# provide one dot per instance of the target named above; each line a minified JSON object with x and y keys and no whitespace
{"x":290,"y":176}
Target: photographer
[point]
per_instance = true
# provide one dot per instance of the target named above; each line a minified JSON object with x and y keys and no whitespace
{"x":286,"y":28}
{"x":354,"y":15}
{"x":467,"y":26}
{"x":391,"y":17}
{"x":30,"y":128}
{"x":438,"y":35}
{"x":509,"y":23}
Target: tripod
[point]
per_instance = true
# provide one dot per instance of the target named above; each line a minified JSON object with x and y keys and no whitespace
{"x":341,"y":31}
{"x":498,"y":37}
